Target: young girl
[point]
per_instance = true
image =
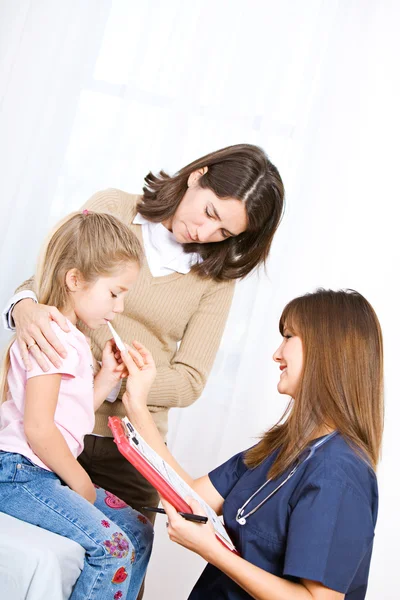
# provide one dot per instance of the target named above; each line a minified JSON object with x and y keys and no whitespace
{"x":301,"y":505}
{"x":86,"y":269}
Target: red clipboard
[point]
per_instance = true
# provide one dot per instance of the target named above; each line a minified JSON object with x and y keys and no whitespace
{"x":156,"y":479}
{"x":164,"y":488}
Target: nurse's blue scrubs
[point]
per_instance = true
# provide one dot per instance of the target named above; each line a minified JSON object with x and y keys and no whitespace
{"x":319,"y":525}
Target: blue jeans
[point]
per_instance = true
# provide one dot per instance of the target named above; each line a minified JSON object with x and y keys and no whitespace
{"x":116,"y":538}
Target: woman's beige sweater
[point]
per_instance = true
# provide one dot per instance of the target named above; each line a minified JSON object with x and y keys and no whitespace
{"x":160,"y":312}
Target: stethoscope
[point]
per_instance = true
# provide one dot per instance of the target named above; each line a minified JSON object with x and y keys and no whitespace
{"x":241,"y":518}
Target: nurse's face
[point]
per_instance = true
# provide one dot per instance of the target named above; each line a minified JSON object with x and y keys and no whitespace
{"x":202,"y":217}
{"x":289,"y":356}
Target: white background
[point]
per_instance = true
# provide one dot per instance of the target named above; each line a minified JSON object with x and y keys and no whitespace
{"x":95,"y":93}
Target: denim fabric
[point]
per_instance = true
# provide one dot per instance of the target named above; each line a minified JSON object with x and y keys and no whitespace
{"x":117,"y":540}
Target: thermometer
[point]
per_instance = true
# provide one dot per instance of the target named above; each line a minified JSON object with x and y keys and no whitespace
{"x":120,"y":344}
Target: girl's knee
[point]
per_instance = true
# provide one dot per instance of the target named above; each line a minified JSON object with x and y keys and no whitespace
{"x":147,"y":535}
{"x":141,"y":534}
{"x":128,"y":527}
{"x":118,"y":545}
{"x":143,"y":527}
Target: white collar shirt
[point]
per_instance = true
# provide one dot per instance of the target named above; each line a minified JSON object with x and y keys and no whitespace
{"x":164,"y":254}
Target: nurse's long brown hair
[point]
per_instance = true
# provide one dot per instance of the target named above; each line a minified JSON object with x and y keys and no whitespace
{"x":341,"y":384}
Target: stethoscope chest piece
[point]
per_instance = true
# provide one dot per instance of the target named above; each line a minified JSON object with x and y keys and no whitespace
{"x":240,"y":520}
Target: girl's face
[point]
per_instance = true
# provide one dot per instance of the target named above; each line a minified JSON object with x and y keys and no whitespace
{"x":202,"y":217}
{"x":289,"y":355}
{"x":98,"y":302}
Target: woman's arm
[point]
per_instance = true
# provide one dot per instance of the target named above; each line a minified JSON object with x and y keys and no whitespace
{"x":135,"y":401}
{"x":32,"y":323}
{"x":182,"y":382}
{"x":259,"y":584}
{"x":45,"y":438}
{"x":262,"y":585}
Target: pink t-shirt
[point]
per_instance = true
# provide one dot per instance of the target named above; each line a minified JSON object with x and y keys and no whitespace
{"x":74,"y":415}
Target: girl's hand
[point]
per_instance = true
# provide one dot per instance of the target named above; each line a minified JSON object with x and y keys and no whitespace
{"x":141,"y":374}
{"x":86,"y":489}
{"x":32,"y":322}
{"x":197,"y":537}
{"x":112,"y":366}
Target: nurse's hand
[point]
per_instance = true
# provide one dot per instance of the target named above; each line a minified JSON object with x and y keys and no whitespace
{"x":198,"y":537}
{"x":142,"y":371}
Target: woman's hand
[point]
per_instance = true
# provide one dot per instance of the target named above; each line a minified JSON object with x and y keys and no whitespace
{"x":197,"y":537}
{"x":35,"y":335}
{"x":141,"y":374}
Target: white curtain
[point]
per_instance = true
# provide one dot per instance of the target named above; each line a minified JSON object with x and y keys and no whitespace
{"x":48,"y":50}
{"x":95,"y":94}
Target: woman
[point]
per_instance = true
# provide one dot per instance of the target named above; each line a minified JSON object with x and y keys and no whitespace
{"x":210,"y":224}
{"x":301,"y":505}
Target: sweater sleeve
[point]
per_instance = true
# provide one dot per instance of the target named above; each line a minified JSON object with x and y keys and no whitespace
{"x":182,"y":382}
{"x":29,"y":284}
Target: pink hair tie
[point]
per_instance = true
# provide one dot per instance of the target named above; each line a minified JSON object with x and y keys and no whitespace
{"x":85,"y":212}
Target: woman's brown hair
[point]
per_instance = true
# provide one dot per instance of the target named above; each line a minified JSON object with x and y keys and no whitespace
{"x":341,"y":384}
{"x":243,"y":172}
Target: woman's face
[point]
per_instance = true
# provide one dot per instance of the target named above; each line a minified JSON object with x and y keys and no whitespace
{"x":202,"y":217}
{"x":289,"y":356}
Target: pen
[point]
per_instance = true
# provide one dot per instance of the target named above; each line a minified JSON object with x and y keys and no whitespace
{"x":187,"y":516}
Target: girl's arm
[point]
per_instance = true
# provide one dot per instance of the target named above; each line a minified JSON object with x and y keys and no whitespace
{"x":259,"y":584}
{"x":45,"y":438}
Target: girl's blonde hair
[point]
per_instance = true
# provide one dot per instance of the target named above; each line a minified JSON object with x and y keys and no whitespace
{"x":96,"y":244}
{"x":341,"y":384}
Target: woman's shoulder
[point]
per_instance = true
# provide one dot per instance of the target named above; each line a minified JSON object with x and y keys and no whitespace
{"x":340,"y":463}
{"x":211,"y":286}
{"x":115,"y":201}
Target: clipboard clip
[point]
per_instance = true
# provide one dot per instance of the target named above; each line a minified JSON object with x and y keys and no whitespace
{"x":130,"y":432}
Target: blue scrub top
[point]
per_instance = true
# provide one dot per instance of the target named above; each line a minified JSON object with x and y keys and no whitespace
{"x":319,"y":525}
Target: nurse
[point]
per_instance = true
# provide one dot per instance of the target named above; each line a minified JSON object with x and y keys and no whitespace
{"x":301,"y":505}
